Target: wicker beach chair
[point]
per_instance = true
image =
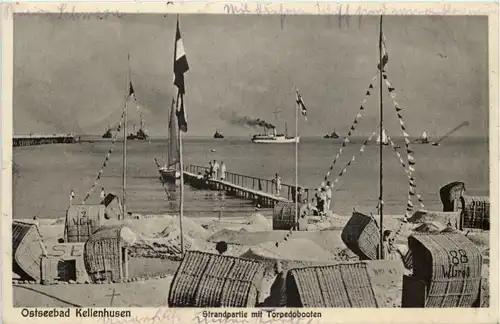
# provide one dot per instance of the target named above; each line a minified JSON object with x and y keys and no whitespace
{"x":332,"y":286}
{"x":213,"y":280}
{"x":361,"y":235}
{"x":284,"y":216}
{"x":446,"y":271}
{"x":475,"y":213}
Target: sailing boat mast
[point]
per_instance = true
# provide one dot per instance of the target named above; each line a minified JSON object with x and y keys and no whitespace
{"x":381,"y":147}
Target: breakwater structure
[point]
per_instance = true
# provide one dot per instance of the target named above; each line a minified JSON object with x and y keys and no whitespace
{"x":39,"y":139}
{"x":259,"y":190}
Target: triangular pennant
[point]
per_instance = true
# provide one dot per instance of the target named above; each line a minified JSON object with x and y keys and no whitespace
{"x":371,"y":86}
{"x":399,"y":116}
{"x":361,"y":108}
{"x":398,"y":108}
{"x":352,"y":127}
{"x":368,"y":92}
{"x":391,"y":89}
{"x":358,"y":115}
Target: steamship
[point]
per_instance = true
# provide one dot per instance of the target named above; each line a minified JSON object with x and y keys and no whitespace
{"x":274,"y":138}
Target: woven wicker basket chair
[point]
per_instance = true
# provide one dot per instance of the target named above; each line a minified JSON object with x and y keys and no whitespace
{"x":450,"y":195}
{"x":27,"y":250}
{"x":475,"y":212}
{"x":105,"y":253}
{"x":82,"y":221}
{"x":361,"y":235}
{"x":332,"y":286}
{"x":284,"y":216}
{"x":113,"y":207}
{"x":213,"y":280}
{"x":446,"y":271}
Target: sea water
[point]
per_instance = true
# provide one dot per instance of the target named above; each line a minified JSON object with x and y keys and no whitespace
{"x":44,"y":175}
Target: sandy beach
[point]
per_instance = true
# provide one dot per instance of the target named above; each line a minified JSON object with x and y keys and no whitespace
{"x":154,"y":258}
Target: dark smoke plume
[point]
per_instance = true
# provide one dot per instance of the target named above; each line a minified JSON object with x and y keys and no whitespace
{"x":232,"y":118}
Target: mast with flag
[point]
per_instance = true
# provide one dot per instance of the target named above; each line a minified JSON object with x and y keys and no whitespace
{"x":383,"y":59}
{"x":131,"y":94}
{"x":300,"y":105}
{"x":180,"y":67}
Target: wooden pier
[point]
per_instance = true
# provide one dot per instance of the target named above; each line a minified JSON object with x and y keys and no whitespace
{"x":37,"y":139}
{"x":259,"y":190}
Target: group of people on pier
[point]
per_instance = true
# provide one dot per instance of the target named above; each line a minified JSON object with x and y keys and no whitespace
{"x":216,"y":171}
{"x":321,"y":201}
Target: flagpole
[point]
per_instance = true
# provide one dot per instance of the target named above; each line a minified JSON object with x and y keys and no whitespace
{"x":124,"y":171}
{"x":296,"y":163}
{"x":181,"y":166}
{"x":381,"y":147}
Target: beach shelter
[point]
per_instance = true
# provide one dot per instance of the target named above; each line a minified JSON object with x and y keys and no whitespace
{"x":362,"y":236}
{"x":113,"y":207}
{"x":27,"y":250}
{"x":214,"y":280}
{"x":446,"y":271}
{"x":475,"y":213}
{"x":82,"y":221}
{"x":346,"y":285}
{"x":106,"y":253}
{"x":284,"y":216}
{"x":450,"y":195}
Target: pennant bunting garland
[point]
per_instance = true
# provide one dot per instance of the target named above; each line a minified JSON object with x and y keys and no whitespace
{"x":353,"y":159}
{"x":351,"y":129}
{"x":412,"y":187}
{"x":409,"y":152}
{"x":105,"y":163}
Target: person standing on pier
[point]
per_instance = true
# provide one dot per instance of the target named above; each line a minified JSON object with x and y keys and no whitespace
{"x":103,"y":194}
{"x":328,"y":194}
{"x":71,"y":196}
{"x":277,"y":182}
{"x":211,"y":169}
{"x":216,"y":169}
{"x":222,"y":171}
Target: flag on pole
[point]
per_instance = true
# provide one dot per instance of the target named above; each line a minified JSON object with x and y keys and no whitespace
{"x":131,"y":92}
{"x":300,"y":103}
{"x":180,"y":67}
{"x":385,"y":56}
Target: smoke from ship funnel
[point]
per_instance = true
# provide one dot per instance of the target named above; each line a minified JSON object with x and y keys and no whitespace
{"x":246,"y":121}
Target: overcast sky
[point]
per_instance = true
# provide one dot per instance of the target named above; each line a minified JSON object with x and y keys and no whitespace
{"x":69,"y":75}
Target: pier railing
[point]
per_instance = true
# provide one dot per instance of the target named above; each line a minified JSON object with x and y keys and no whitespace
{"x":266,"y":185}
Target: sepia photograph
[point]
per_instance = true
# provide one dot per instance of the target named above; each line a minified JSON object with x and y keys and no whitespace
{"x":242,"y":161}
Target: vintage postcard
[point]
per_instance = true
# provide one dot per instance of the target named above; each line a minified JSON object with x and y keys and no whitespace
{"x":250,"y":162}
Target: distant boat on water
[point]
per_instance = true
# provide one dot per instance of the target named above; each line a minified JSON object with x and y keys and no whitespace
{"x":218,"y":134}
{"x":107,"y":134}
{"x":385,"y":140}
{"x":424,"y":138}
{"x":274,"y":138}
{"x":332,"y":135}
{"x":140,"y":134}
